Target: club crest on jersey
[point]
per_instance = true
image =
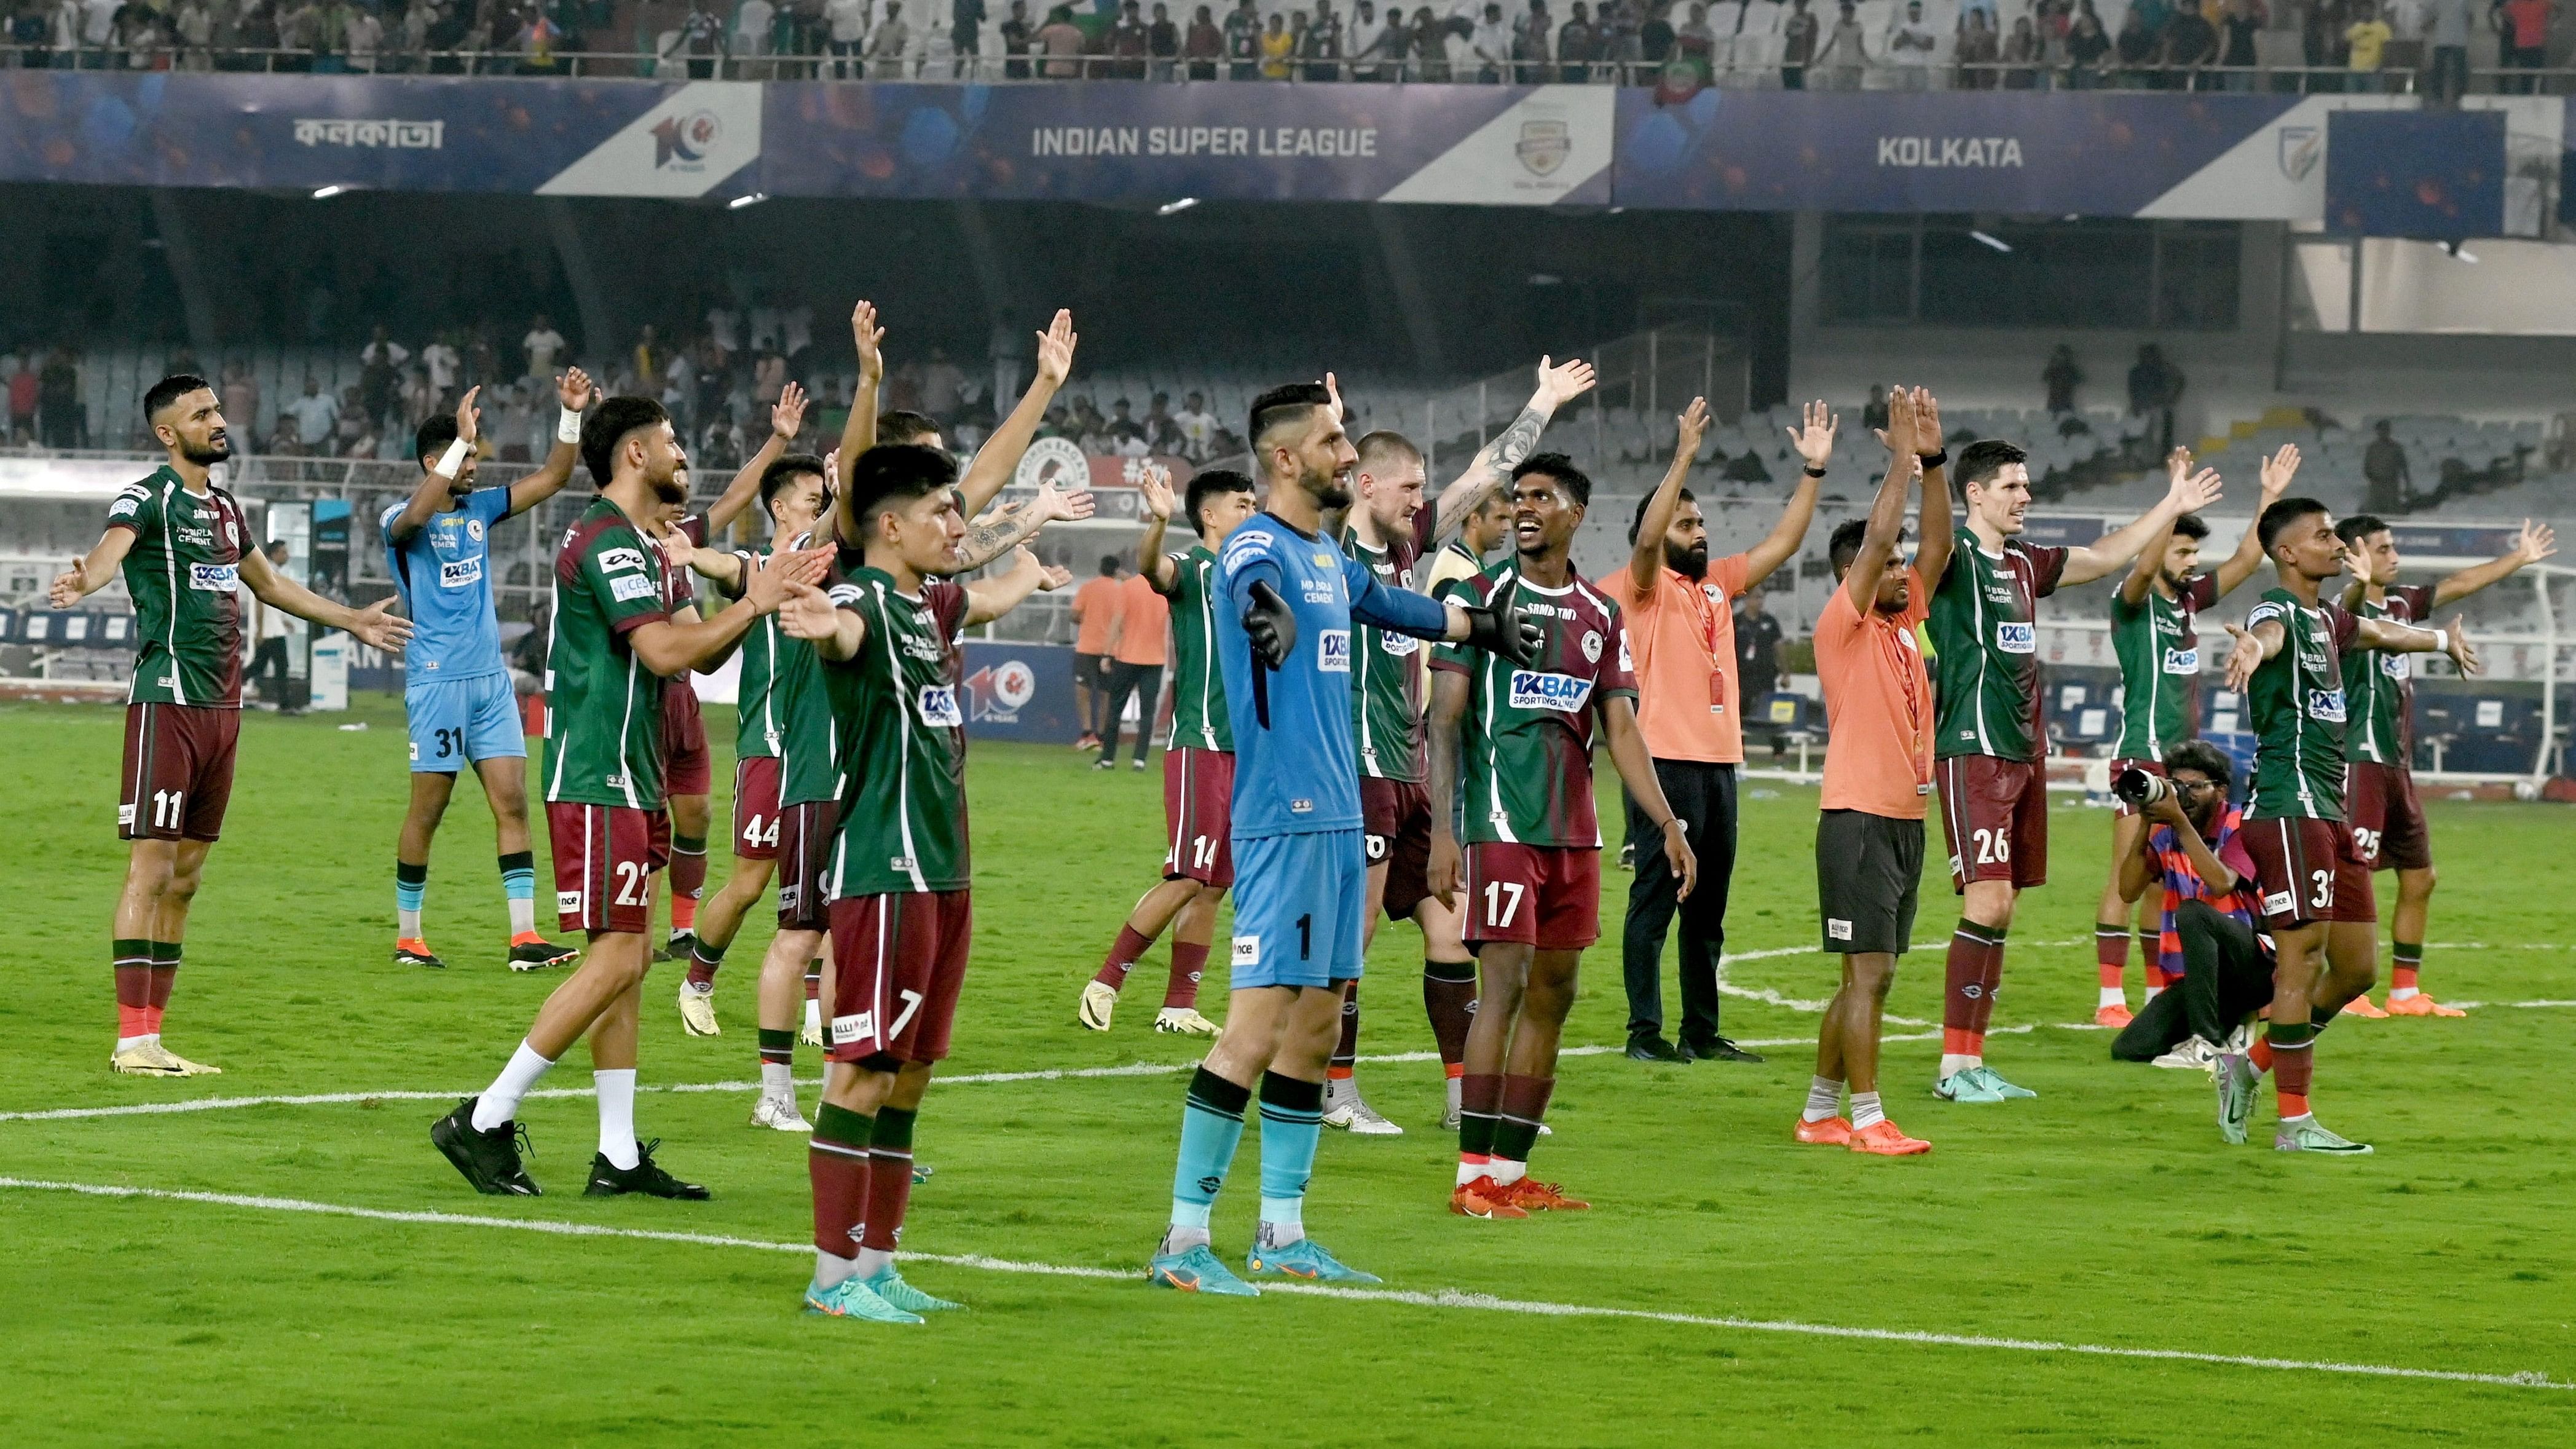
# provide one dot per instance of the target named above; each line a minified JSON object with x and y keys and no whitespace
{"x":216,"y":578}
{"x":1333,"y":651}
{"x":461,"y":573}
{"x":1560,"y":692}
{"x":2326,"y":705}
{"x":1592,"y":645}
{"x":474,"y":529}
{"x":2016,"y":636}
{"x":938,"y":704}
{"x":617,"y":560}
{"x":628,"y":590}
{"x":2182,"y":661}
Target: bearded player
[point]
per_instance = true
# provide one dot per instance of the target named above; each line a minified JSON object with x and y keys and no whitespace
{"x":613,"y":645}
{"x":2314,"y":885}
{"x":2159,"y":654}
{"x":184,"y":550}
{"x":457,"y":697}
{"x":1287,"y":598}
{"x":1533,"y":866}
{"x":2379,"y":697}
{"x":1988,"y":744}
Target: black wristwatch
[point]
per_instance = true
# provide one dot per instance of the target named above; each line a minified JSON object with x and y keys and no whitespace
{"x":1815,"y":472}
{"x":1934,"y":460}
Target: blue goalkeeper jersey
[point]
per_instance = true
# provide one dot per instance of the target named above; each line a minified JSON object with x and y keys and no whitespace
{"x":1297,"y":770}
{"x":443,"y":575}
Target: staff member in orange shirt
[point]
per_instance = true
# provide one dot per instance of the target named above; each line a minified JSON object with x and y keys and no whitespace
{"x":1095,"y":618}
{"x":1878,"y":772}
{"x":1680,"y":622}
{"x":1135,"y":666}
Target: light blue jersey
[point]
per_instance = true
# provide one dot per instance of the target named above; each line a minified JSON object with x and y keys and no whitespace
{"x":442,"y":573}
{"x":1298,"y":771}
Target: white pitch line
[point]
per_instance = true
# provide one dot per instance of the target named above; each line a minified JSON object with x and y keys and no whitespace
{"x":1448,"y":1298}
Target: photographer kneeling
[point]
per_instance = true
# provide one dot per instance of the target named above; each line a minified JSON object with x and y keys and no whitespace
{"x":2209,"y":941}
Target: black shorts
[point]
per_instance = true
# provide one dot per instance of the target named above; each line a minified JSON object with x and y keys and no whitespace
{"x":1869,"y":869}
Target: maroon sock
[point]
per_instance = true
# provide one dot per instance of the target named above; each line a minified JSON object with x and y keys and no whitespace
{"x":1189,"y":963}
{"x":889,"y":1179}
{"x":1524,"y":1106}
{"x":1347,"y":1051}
{"x":814,"y":979}
{"x":1990,"y":980}
{"x":132,"y":961}
{"x":703,"y":961}
{"x":1975,"y":963}
{"x":1113,"y":967}
{"x":837,"y":1164}
{"x":1449,"y":999}
{"x":165,"y":977}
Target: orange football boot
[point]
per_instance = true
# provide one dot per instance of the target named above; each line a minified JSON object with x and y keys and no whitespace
{"x":1532,"y":1195}
{"x":1882,"y":1139}
{"x":1483,"y":1198}
{"x":2418,"y":1004}
{"x":1831,"y":1132}
{"x":2361,"y":1009}
{"x":2114,"y":1017}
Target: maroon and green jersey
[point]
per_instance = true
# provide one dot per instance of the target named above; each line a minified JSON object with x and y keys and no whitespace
{"x":1199,"y":720}
{"x":603,"y":707}
{"x":1527,"y":734}
{"x":1386,"y":695}
{"x":2159,"y":657}
{"x":1985,"y":638}
{"x":2298,"y":704}
{"x":2379,"y":686}
{"x":755,"y":700}
{"x":183,"y":571}
{"x":807,"y":699}
{"x":903,"y":819}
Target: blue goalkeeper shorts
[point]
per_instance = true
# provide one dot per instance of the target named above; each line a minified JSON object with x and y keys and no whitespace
{"x":459,"y":722}
{"x":1299,"y":904}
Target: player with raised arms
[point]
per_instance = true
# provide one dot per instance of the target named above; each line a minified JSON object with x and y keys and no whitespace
{"x":2314,"y":885}
{"x":1533,"y":863}
{"x":185,"y":552}
{"x":613,"y":645}
{"x":1878,"y":776}
{"x":2159,"y":655}
{"x":1389,"y":531}
{"x":2387,"y":820}
{"x":1198,"y":760}
{"x":890,"y":633}
{"x":1287,"y":597}
{"x":457,"y":697}
{"x":1988,"y":742}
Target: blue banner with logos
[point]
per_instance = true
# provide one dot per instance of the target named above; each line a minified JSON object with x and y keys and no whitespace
{"x":1020,"y":692}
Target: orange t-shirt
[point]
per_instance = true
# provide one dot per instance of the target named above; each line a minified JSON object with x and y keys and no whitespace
{"x":1682,"y":632}
{"x":1095,"y":612}
{"x":1878,"y":706}
{"x":1142,"y":615}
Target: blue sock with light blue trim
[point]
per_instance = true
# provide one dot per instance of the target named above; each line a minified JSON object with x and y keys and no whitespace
{"x":411,"y":886}
{"x":1211,"y":1129}
{"x":519,"y":883}
{"x":1292,"y":1121}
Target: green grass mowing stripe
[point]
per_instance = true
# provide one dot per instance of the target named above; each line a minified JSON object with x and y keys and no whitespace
{"x":1447,"y":1298}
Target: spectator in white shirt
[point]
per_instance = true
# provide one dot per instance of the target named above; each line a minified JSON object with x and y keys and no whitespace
{"x":848,"y":20}
{"x":382,"y":349}
{"x":1492,"y":46}
{"x":886,"y":47}
{"x":1361,"y":40}
{"x":1910,"y":43}
{"x":1197,"y":425}
{"x":751,"y":26}
{"x":724,"y":327}
{"x":543,"y":345}
{"x":316,"y":414}
{"x":441,"y":360}
{"x":98,"y":22}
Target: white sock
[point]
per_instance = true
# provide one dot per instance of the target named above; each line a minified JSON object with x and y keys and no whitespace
{"x":831,"y":1272}
{"x":1338,"y":1090}
{"x":814,"y":1016}
{"x":2154,"y":991}
{"x":1451,"y":1094}
{"x":1282,"y":1222}
{"x":778,"y":1079}
{"x":2400,"y":993}
{"x":2114,"y":996}
{"x":1180,"y":1239}
{"x":129,"y":1043}
{"x":873,"y":1261}
{"x":153,"y":1040}
{"x":617,"y":1117}
{"x":1824,"y":1099}
{"x":406,"y":924}
{"x":699,"y":988}
{"x":1505,"y":1171}
{"x":1866,"y":1111}
{"x":1952,"y":1065}
{"x":523,"y":916}
{"x":500,"y":1101}
{"x":1469,"y":1171}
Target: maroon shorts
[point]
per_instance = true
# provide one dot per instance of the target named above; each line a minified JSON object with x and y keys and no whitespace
{"x":2122,"y":809}
{"x":804,"y":859}
{"x":606,"y":857}
{"x":2308,"y":872}
{"x":1198,"y":808}
{"x":1995,"y":813}
{"x":755,"y":807}
{"x":178,"y":771}
{"x":2387,"y":820}
{"x":1396,"y":816}
{"x":685,"y":766}
{"x":1548,"y":896}
{"x":897,"y":964}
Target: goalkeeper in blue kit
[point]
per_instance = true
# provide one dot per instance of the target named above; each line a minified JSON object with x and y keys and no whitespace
{"x":1286,"y":598}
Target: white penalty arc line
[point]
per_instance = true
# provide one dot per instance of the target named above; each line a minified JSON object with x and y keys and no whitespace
{"x":1448,"y":1298}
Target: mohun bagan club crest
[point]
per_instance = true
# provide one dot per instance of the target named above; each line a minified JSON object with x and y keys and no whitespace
{"x":1544,"y":146}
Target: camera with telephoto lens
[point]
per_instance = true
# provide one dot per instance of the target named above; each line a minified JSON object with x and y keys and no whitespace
{"x":2139,"y":789}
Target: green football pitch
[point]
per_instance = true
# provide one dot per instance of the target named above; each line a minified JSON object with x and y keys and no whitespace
{"x":294,"y":1264}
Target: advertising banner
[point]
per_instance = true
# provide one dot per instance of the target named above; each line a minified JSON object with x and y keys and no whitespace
{"x":1020,"y":692}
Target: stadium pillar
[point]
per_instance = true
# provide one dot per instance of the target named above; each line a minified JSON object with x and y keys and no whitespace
{"x":1413,"y":300}
{"x":179,"y":252}
{"x":598,"y":335}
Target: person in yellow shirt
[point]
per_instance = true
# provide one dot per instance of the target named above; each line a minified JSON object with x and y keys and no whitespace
{"x":2368,"y":36}
{"x":1276,"y":44}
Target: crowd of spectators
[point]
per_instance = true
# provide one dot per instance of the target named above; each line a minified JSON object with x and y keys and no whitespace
{"x":1923,"y":44}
